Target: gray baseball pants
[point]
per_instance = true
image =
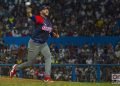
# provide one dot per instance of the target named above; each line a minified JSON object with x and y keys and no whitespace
{"x":33,"y":51}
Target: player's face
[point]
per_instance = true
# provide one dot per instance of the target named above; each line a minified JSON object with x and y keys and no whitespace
{"x":45,"y":12}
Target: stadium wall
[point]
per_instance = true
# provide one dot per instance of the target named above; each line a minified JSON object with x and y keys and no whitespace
{"x":76,"y":41}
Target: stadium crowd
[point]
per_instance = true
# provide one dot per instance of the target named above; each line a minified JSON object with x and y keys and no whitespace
{"x":71,"y":18}
{"x":64,"y":55}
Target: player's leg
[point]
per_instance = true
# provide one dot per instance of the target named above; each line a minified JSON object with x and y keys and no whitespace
{"x":47,"y":56}
{"x":33,"y":50}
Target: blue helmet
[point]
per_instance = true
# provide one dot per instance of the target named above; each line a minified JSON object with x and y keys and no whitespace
{"x":43,"y":6}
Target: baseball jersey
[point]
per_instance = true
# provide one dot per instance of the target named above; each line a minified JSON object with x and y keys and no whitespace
{"x":43,"y":28}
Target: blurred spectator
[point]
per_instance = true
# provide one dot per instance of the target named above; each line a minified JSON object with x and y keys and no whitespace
{"x":22,"y":51}
{"x":71,"y":18}
{"x":14,"y":48}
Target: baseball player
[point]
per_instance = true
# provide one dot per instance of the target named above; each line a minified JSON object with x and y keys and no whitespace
{"x":38,"y":41}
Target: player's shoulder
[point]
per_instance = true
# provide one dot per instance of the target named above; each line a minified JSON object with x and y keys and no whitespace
{"x":38,"y":16}
{"x":39,"y":19}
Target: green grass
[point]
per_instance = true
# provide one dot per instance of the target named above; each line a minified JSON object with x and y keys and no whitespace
{"x":5,"y":81}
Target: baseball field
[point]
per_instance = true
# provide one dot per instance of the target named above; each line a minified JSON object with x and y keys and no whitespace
{"x":6,"y":81}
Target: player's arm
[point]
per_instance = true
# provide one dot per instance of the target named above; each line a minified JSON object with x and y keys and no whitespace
{"x":30,"y":15}
{"x":29,"y":11}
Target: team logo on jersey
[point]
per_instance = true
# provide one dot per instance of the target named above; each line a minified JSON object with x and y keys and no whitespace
{"x":45,"y":28}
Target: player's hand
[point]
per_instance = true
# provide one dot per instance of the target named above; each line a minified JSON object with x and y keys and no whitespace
{"x":56,"y":35}
{"x":29,"y":10}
